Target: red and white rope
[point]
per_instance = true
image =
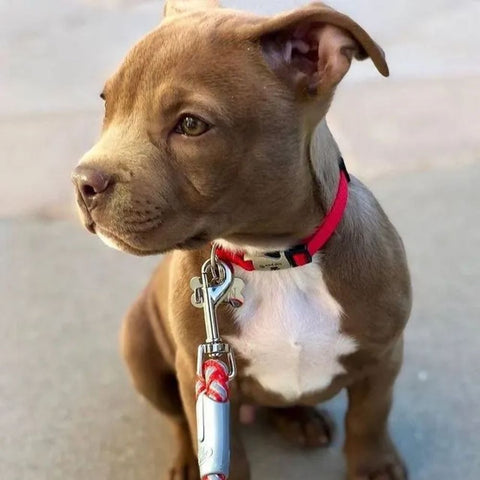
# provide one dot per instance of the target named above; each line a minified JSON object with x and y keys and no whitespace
{"x":214,"y":384}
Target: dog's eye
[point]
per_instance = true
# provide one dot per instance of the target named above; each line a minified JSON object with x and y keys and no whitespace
{"x":191,"y":126}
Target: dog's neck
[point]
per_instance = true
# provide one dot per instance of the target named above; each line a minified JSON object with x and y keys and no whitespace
{"x":322,"y":154}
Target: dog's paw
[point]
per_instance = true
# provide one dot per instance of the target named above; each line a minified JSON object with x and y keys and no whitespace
{"x":385,"y":471}
{"x":184,"y":469}
{"x":303,"y":426}
{"x":376,"y":464}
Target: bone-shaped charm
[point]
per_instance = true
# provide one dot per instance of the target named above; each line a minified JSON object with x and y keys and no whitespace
{"x":197,"y":295}
{"x":234,"y":295}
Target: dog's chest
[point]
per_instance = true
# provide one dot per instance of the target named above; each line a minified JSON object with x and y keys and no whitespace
{"x":290,"y":331}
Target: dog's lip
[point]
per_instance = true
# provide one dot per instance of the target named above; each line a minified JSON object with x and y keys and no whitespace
{"x":90,"y":226}
{"x":86,"y":214}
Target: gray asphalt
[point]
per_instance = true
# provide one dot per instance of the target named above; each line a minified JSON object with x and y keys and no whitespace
{"x":67,"y":409}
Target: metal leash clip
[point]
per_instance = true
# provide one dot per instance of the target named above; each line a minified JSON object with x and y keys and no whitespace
{"x":208,"y":294}
{"x":216,"y":285}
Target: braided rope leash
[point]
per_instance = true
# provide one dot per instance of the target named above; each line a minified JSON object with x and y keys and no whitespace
{"x":213,"y":385}
{"x":214,"y":382}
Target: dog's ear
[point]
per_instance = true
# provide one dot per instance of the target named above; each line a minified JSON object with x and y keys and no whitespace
{"x":175,"y":7}
{"x":312,"y":48}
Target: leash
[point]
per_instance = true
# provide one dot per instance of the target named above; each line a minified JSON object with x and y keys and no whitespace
{"x":215,"y":368}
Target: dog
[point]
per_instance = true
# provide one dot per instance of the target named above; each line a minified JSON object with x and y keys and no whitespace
{"x":215,"y":132}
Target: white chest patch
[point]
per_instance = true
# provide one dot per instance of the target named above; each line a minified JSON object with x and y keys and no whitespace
{"x":290,"y":330}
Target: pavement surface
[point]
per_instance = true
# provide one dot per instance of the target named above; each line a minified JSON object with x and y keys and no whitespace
{"x":67,"y":410}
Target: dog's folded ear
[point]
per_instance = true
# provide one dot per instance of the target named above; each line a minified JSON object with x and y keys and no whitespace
{"x":312,"y":47}
{"x":176,"y":7}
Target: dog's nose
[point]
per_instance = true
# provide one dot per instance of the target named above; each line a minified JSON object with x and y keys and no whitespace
{"x":90,"y":182}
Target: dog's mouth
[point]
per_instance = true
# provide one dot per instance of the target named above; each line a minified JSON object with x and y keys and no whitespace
{"x":148,"y":236}
{"x":90,"y":226}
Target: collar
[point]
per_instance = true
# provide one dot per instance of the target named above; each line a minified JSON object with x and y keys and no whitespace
{"x":303,"y":253}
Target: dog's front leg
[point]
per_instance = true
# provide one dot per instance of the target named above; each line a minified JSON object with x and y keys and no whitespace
{"x":239,"y":466}
{"x":370,"y":452}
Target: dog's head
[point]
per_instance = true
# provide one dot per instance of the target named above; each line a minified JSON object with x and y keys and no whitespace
{"x":206,"y":126}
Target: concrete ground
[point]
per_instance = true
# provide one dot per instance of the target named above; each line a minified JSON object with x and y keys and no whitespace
{"x":67,"y":410}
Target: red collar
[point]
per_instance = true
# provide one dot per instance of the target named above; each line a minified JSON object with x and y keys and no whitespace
{"x":303,"y":253}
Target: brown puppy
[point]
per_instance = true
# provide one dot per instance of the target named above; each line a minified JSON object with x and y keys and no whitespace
{"x":215,"y":131}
